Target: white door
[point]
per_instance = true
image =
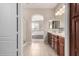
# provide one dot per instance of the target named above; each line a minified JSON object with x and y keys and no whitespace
{"x":8,"y":29}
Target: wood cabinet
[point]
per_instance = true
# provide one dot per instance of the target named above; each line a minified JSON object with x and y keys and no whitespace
{"x":50,"y":39}
{"x":57,"y":43}
{"x":61,"y":46}
{"x":53,"y":41}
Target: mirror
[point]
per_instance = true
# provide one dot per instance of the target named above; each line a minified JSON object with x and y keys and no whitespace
{"x":55,"y":24}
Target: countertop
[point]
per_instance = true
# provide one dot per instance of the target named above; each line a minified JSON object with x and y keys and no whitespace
{"x":57,"y":33}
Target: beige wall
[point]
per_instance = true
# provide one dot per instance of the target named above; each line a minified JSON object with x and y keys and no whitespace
{"x":27,"y":15}
{"x":45,"y":12}
{"x":60,"y":18}
{"x":26,"y":30}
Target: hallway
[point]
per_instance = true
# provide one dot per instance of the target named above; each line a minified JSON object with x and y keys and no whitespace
{"x":38,"y":48}
{"x":42,"y":19}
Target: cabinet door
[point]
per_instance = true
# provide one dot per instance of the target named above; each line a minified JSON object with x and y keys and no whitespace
{"x":61,"y":49}
{"x":61,"y":46}
{"x":53,"y":42}
{"x":56,"y":43}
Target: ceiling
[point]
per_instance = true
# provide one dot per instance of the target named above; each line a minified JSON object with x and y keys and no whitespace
{"x":39,"y":5}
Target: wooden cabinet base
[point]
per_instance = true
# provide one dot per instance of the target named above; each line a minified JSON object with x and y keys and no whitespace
{"x":57,"y":43}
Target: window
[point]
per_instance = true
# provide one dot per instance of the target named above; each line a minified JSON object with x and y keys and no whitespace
{"x":37,"y":18}
{"x":36,"y":21}
{"x":35,"y":26}
{"x":60,"y":11}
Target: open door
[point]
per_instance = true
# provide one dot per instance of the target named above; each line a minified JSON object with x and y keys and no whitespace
{"x":74,"y":29}
{"x":8,"y":29}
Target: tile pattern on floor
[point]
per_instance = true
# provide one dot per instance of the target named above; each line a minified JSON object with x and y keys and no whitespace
{"x":38,"y":48}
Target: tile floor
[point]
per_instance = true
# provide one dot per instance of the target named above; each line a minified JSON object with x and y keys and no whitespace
{"x":38,"y":48}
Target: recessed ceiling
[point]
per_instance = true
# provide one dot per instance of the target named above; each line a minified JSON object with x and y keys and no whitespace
{"x":39,"y":5}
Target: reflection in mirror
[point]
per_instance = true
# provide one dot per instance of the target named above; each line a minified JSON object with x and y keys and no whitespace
{"x":55,"y":24}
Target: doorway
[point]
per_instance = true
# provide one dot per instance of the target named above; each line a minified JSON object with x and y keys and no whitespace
{"x":37,"y":27}
{"x":29,"y":24}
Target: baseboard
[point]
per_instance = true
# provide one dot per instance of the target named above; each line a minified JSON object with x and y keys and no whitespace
{"x":26,"y":44}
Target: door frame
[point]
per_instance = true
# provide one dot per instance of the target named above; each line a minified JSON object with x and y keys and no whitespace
{"x":66,"y":23}
{"x":20,"y":51}
{"x":67,"y":33}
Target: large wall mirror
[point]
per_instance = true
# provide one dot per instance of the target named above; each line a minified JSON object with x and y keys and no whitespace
{"x":55,"y":24}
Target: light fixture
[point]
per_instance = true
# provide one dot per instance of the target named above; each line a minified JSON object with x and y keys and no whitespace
{"x":60,"y":11}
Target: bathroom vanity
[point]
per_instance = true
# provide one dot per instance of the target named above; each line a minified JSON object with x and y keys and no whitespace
{"x":56,"y":42}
